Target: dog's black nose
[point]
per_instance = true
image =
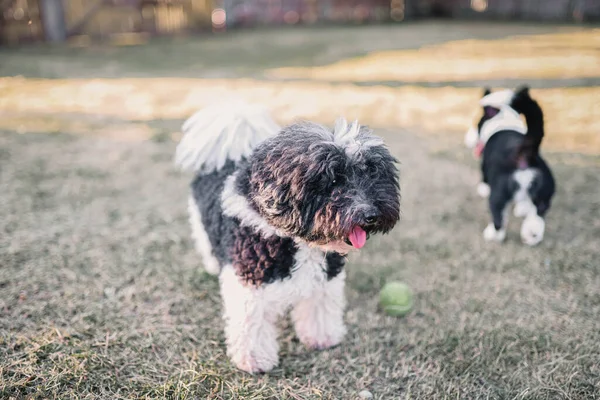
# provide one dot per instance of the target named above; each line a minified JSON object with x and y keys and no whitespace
{"x":371,"y":218}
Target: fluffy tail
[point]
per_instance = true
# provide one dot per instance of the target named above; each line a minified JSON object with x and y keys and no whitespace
{"x":524,"y":104}
{"x":222,"y":132}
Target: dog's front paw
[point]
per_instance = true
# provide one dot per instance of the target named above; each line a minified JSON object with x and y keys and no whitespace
{"x":319,"y":319}
{"x":492,"y":235}
{"x":319,"y":329}
{"x":253,"y":364}
{"x":256,"y":350}
{"x":320,"y":333}
{"x":532,"y":230}
{"x":483,"y":190}
{"x":322,"y":341}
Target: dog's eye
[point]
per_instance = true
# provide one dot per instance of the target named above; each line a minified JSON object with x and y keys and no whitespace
{"x":335,"y":180}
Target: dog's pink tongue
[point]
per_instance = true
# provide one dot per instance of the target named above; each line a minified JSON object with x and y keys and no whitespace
{"x":358,"y":237}
{"x":479,"y":149}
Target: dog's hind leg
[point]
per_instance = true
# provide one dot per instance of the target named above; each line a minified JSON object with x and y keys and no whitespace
{"x":534,"y":225}
{"x":250,"y":330}
{"x":319,"y":319}
{"x":483,"y":187}
{"x":201,"y":240}
{"x":532,"y":229}
{"x":523,"y":204}
{"x":500,"y":196}
{"x":540,"y":192}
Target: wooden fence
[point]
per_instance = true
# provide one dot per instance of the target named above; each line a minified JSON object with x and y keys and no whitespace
{"x":529,"y":10}
{"x":56,"y":20}
{"x":23,"y":20}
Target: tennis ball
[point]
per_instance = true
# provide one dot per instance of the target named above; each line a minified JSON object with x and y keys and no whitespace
{"x":396,"y":299}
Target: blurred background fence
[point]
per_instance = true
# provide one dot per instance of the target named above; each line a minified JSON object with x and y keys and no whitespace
{"x":24,"y":21}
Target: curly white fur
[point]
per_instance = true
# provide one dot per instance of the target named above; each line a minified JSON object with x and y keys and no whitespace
{"x":251,"y":313}
{"x":221,"y":132}
{"x":319,"y":319}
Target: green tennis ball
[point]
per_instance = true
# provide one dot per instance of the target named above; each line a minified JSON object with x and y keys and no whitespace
{"x":396,"y":299}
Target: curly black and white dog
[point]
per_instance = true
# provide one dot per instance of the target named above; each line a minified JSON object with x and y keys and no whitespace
{"x":512,"y":167}
{"x":273,"y":213}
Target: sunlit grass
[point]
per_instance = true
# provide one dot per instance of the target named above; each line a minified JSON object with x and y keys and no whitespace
{"x":550,"y":56}
{"x":32,"y":105}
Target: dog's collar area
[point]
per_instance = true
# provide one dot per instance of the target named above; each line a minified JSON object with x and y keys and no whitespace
{"x":237,"y":206}
{"x":506,"y":119}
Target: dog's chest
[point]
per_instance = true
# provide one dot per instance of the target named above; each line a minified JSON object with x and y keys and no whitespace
{"x":309,"y":274}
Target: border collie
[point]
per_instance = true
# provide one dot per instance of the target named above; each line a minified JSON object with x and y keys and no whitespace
{"x":513,"y":169}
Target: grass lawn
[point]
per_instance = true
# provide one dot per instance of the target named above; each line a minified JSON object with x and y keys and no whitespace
{"x":103,"y":296}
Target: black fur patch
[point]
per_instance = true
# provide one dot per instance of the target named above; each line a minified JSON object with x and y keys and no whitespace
{"x":207,"y":190}
{"x":258,"y":260}
{"x":335,"y":264}
{"x":534,"y":116}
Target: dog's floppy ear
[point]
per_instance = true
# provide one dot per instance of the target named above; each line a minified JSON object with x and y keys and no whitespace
{"x":522,"y":91}
{"x":486,"y":91}
{"x":490,"y":112}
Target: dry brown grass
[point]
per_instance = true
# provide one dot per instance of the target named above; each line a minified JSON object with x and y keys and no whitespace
{"x":28,"y":104}
{"x":102,"y":294}
{"x":549,"y":56}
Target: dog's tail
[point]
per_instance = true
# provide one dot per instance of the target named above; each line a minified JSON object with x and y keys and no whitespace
{"x":222,"y":132}
{"x":531,"y":110}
